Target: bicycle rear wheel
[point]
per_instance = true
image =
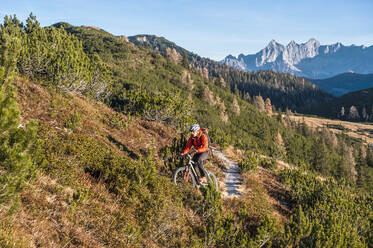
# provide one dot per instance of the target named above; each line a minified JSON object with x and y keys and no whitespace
{"x":183,"y":176}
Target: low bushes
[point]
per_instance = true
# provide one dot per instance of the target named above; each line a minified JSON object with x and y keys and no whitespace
{"x":249,"y":163}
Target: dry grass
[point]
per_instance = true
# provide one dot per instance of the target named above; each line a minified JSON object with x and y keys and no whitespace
{"x":133,"y":136}
{"x":356,"y":130}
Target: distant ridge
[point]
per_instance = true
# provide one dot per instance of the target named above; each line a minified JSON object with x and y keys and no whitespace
{"x":344,"y":83}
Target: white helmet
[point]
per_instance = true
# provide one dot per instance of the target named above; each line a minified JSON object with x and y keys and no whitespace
{"x":194,"y":127}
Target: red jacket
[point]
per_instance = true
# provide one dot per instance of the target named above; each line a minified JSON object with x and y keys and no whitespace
{"x":200,"y":143}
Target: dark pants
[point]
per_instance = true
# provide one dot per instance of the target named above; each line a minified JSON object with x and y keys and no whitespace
{"x":199,"y":159}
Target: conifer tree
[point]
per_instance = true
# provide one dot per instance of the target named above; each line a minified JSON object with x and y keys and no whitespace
{"x":15,"y":141}
{"x":185,"y":61}
{"x":259,"y":102}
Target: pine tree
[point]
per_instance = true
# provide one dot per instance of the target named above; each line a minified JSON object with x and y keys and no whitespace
{"x":259,"y":103}
{"x":341,"y":113}
{"x":268,"y":106}
{"x":185,"y":61}
{"x":320,"y":160}
{"x":299,"y":228}
{"x":353,"y":113}
{"x":15,"y":142}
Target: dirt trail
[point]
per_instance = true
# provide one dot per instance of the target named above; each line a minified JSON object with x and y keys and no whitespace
{"x":233,"y":179}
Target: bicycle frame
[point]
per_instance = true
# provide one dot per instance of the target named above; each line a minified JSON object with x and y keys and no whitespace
{"x":190,"y":167}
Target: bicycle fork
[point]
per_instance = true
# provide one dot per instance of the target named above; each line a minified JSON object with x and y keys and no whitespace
{"x":186,"y":175}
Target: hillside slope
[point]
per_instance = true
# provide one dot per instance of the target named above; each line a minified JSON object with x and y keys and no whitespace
{"x":87,"y":201}
{"x":113,"y":119}
{"x":89,"y":192}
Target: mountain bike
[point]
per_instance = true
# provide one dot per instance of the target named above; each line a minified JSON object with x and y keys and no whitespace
{"x":188,"y":175}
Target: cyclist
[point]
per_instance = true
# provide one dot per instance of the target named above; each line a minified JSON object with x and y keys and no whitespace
{"x":200,"y":142}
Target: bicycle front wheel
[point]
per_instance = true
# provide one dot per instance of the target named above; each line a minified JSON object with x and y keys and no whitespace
{"x":182,"y":176}
{"x":212,"y":179}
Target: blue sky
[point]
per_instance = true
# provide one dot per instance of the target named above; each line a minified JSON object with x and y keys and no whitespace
{"x":216,"y":28}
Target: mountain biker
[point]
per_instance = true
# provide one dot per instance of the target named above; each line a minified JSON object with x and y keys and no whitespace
{"x":200,"y":142}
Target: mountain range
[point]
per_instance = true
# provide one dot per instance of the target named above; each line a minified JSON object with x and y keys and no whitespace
{"x":310,"y":59}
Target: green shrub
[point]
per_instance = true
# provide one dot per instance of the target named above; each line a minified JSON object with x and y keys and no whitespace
{"x":57,"y":58}
{"x":167,"y":106}
{"x":326,"y":214}
{"x":249,"y":163}
{"x":266,"y":233}
{"x":269,"y":163}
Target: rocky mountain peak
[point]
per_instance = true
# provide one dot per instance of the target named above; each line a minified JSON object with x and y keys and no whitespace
{"x":273,"y":45}
{"x":292,"y":44}
{"x":312,"y":41}
{"x":312,"y":44}
{"x":272,"y":42}
{"x":269,"y":53}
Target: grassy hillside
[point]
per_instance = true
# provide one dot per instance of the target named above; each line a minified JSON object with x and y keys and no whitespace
{"x":96,"y":170}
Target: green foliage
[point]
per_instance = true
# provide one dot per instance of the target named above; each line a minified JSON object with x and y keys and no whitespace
{"x":78,"y":197}
{"x":55,"y":56}
{"x":365,"y":179}
{"x":116,"y":121}
{"x":133,"y":234}
{"x":327,"y":214}
{"x":300,"y":227}
{"x":17,"y":143}
{"x":266,"y":233}
{"x":166,"y":107}
{"x":171,"y":154}
{"x":218,"y":231}
{"x":220,"y":137}
{"x":231,"y":230}
{"x":249,"y":163}
{"x":269,"y":163}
